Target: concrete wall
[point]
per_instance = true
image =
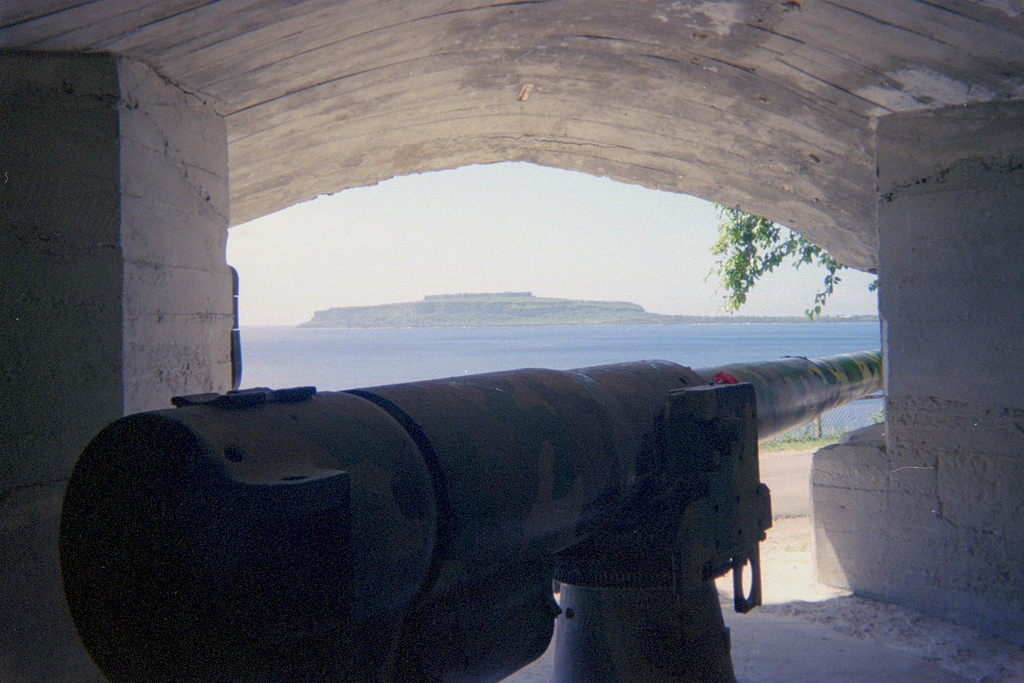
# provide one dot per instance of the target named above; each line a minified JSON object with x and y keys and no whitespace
{"x":115,"y":296}
{"x":936,"y":520}
{"x":765,"y":105}
{"x":849,"y":494}
{"x":174,"y":217}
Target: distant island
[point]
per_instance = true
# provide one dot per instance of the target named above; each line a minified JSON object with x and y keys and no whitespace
{"x":520,"y":308}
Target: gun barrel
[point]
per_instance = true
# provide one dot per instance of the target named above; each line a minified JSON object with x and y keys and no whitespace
{"x":410,"y":532}
{"x":792,"y":391}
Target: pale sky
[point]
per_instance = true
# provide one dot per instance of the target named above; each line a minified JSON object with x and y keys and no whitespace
{"x":500,"y":228}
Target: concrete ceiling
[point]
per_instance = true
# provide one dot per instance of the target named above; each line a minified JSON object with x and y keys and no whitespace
{"x":765,"y":105}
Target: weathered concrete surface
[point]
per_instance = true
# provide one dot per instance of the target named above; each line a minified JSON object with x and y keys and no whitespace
{"x":849,"y":486}
{"x":952,"y":262}
{"x":174,"y":214}
{"x":929,"y":514}
{"x":115,"y":298}
{"x":762,"y":104}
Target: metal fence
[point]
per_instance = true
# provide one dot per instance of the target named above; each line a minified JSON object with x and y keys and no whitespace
{"x":833,"y":423}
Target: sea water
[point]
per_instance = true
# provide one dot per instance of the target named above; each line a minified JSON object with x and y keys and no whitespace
{"x":334,"y":359}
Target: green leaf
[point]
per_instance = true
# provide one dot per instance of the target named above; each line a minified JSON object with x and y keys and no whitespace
{"x":750,"y":247}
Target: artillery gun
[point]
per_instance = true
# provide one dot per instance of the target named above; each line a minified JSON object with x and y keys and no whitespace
{"x":411,"y":532}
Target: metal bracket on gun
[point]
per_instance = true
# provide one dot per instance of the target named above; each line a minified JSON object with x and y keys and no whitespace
{"x":742,"y":602}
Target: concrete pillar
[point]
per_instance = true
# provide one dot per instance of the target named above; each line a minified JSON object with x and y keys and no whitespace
{"x":937,"y":518}
{"x":849,"y":489}
{"x":114,"y":293}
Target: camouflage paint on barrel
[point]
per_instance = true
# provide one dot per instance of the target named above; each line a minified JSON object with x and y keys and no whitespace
{"x":793,"y":391}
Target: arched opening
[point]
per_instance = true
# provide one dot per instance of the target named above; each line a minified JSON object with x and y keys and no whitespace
{"x":513,"y":227}
{"x":520,"y":227}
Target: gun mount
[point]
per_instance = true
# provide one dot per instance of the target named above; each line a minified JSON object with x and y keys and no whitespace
{"x":411,"y":532}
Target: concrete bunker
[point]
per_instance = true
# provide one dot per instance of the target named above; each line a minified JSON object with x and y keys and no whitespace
{"x":888,"y":134}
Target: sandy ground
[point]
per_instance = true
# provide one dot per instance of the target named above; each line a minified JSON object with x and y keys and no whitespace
{"x":900,"y":639}
{"x":790,"y":591}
